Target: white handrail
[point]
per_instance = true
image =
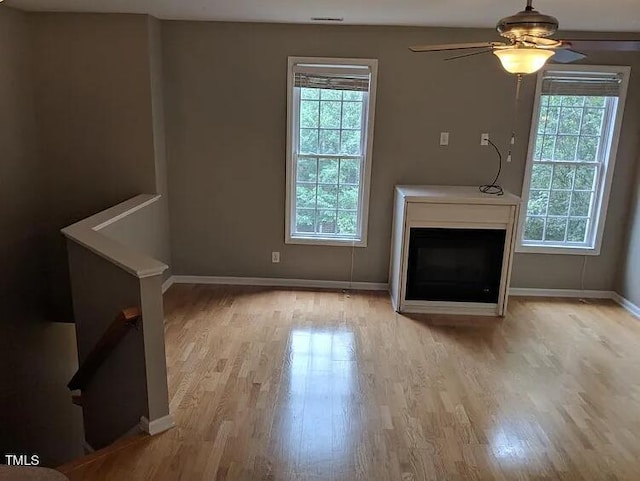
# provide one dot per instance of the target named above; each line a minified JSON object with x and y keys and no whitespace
{"x":87,"y":233}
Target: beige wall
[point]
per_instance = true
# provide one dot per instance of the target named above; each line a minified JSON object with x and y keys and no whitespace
{"x":95,"y":121}
{"x":629,"y":281}
{"x":225,"y":93}
{"x":159,"y":139}
{"x":37,"y":357}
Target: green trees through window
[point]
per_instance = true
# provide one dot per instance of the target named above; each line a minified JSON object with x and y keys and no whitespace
{"x":567,"y":161}
{"x":329,"y":161}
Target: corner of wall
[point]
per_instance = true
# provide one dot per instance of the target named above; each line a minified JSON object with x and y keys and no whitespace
{"x":156,"y":75}
{"x":628,"y":278}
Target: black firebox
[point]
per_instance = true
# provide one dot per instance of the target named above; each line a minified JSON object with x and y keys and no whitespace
{"x":458,"y":265}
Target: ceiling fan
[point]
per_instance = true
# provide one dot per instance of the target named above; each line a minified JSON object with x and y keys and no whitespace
{"x":528,"y":46}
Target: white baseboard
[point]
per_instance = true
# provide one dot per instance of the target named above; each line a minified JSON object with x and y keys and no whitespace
{"x":156,"y":426}
{"x":88,"y":449}
{"x":578,"y":294}
{"x":627,"y":304}
{"x":167,"y":284}
{"x":570,"y":293}
{"x":278,"y":282}
{"x":382,"y":286}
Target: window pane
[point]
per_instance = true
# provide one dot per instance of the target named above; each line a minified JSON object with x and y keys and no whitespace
{"x":308,"y":141}
{"x":550,"y":120}
{"x":592,"y":121}
{"x":542,"y":122}
{"x":538,"y":150}
{"x":313,"y":94}
{"x":330,"y":115}
{"x":329,"y":142}
{"x":307,"y":170}
{"x":556,"y":229}
{"x":588,"y":149}
{"x":562,"y":176}
{"x":595,"y":101}
{"x":559,"y":202}
{"x":538,"y":201}
{"x":580,"y":204}
{"x":328,"y":197}
{"x":309,"y":111}
{"x":534,"y":228}
{"x":347,"y":223}
{"x":351,"y":115}
{"x":572,"y":100}
{"x":351,"y":95}
{"x":305,"y":220}
{"x":577,"y":230}
{"x":328,"y":171}
{"x":548,"y":146}
{"x":327,"y":222}
{"x":348,"y":198}
{"x":541,"y":176}
{"x":306,"y":195}
{"x":585,"y":175}
{"x":350,"y":171}
{"x":350,"y":142}
{"x":328,"y":94}
{"x":566,"y":147}
{"x":555,"y":100}
{"x":570,"y":121}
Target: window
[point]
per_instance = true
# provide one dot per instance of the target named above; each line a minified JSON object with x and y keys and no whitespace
{"x":330,"y":136}
{"x":574,"y":136}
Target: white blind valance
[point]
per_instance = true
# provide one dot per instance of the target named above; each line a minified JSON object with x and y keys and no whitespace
{"x":334,"y":77}
{"x":597,"y":84}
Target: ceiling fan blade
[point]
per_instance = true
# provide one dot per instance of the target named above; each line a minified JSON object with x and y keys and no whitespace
{"x":489,"y":50}
{"x":541,"y":41}
{"x":604,"y":45}
{"x":454,"y":46}
{"x":566,"y":55}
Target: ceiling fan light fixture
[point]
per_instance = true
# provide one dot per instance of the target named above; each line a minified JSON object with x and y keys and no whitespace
{"x":523,"y":60}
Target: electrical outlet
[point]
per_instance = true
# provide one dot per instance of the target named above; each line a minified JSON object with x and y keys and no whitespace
{"x":484,"y":139}
{"x":444,"y":138}
{"x":275,"y":257}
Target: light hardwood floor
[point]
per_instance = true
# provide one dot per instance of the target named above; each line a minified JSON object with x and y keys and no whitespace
{"x":273,"y":384}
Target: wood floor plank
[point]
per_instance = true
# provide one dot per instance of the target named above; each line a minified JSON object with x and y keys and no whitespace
{"x":283,"y":384}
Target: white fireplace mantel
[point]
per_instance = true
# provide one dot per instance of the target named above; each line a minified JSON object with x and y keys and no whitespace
{"x":456,"y":207}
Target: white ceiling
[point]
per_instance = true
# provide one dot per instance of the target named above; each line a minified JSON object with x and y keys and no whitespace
{"x":598,"y":15}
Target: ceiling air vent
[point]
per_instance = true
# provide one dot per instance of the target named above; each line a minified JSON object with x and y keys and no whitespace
{"x":327,"y":19}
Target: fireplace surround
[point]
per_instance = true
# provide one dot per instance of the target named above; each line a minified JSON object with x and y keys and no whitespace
{"x":452,"y":248}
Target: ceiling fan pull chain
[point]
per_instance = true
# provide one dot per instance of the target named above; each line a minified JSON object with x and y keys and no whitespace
{"x":516,"y":109}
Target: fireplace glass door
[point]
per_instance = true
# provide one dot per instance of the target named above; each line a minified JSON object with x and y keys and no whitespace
{"x":457,"y":265}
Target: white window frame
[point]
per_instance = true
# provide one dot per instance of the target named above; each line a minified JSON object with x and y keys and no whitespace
{"x":365,"y":172}
{"x":603,"y":191}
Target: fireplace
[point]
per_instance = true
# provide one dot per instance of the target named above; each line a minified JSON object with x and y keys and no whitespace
{"x":457,"y":265}
{"x":451,"y":250}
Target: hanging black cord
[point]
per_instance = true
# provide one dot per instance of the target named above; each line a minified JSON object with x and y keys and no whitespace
{"x":493,"y":188}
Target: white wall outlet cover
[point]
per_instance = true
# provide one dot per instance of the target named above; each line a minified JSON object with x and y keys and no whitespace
{"x":444,"y":138}
{"x":484,"y":139}
{"x":275,"y":257}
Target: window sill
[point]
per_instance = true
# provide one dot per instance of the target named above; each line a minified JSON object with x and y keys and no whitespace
{"x":577,"y":251}
{"x":326,"y":241}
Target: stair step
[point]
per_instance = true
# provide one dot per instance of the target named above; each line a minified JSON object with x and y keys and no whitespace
{"x":76,"y":464}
